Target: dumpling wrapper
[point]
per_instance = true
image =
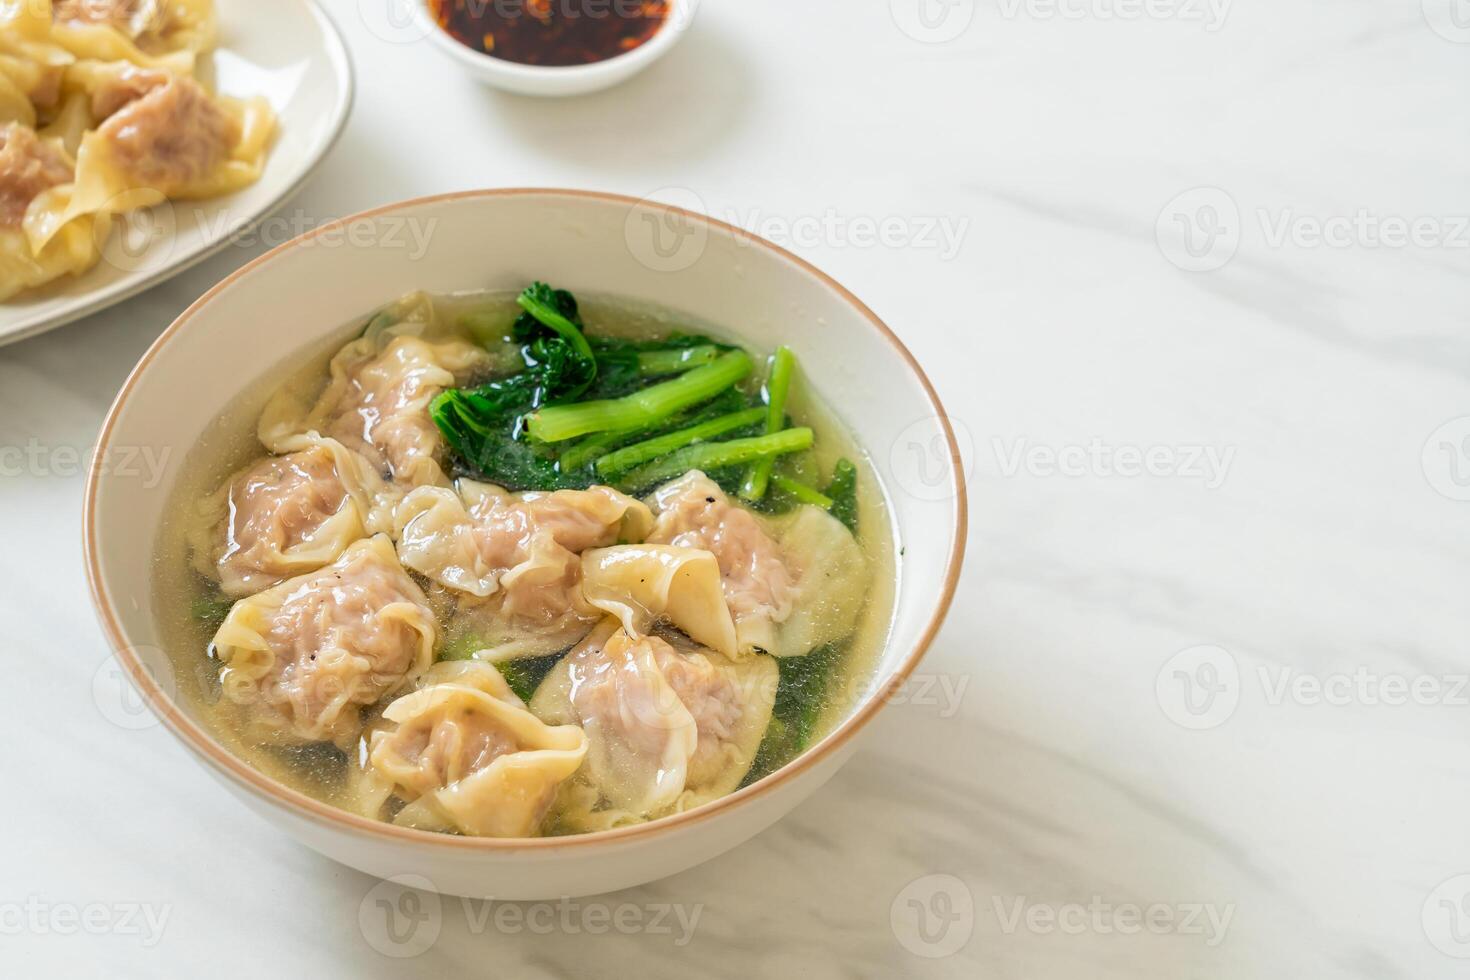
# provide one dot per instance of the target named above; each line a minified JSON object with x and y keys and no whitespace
{"x":172,"y":139}
{"x":283,"y":516}
{"x":668,"y":728}
{"x":30,"y":169}
{"x":468,"y":757}
{"x":303,"y":659}
{"x":510,"y":562}
{"x":645,"y":584}
{"x":151,"y":33}
{"x":792,"y":583}
{"x":830,"y":581}
{"x":376,"y":401}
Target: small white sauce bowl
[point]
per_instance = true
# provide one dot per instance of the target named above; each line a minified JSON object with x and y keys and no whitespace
{"x":558,"y":80}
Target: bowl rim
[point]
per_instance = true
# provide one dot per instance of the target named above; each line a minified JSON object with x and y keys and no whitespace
{"x":678,"y":19}
{"x":298,"y":804}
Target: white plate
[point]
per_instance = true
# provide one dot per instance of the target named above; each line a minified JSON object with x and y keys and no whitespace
{"x":286,"y":50}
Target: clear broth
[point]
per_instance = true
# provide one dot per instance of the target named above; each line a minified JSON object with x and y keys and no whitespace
{"x":230,"y":443}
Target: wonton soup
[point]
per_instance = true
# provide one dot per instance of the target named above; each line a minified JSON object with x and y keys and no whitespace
{"x":506,"y":566}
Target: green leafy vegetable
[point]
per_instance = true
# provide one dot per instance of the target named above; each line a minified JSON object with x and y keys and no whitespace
{"x":801,"y":492}
{"x":646,"y":406}
{"x":801,"y":696}
{"x":778,"y":387}
{"x":675,"y":359}
{"x":484,"y":425}
{"x":709,"y":456}
{"x":588,"y":449}
{"x":843,"y":491}
{"x":210,"y":609}
{"x":554,"y":310}
{"x":627,"y":458}
{"x":524,"y":676}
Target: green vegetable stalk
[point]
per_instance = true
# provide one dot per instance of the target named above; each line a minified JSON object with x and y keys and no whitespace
{"x":652,"y":404}
{"x":717,"y":455}
{"x":653,"y":363}
{"x":622,"y":460}
{"x":801,"y":492}
{"x":778,"y":387}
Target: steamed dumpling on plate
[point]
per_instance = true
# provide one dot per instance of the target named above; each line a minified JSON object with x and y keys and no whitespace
{"x":145,"y":32}
{"x":304,"y":658}
{"x":30,"y":169}
{"x":467,"y":757}
{"x":161,"y":136}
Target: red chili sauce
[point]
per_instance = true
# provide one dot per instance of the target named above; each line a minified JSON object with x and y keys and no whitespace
{"x":551,"y":32}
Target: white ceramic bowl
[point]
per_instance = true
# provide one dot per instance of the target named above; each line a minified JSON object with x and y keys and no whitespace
{"x":307,"y":290}
{"x":565,"y":80}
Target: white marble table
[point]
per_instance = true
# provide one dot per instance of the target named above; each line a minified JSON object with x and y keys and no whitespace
{"x":1212,"y":636}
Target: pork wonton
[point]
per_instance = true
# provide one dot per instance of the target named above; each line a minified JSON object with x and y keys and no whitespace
{"x":302,"y":659}
{"x":510,"y":562}
{"x":377,"y":399}
{"x":30,"y":168}
{"x":466,"y":756}
{"x":647,"y":584}
{"x":161,"y":135}
{"x":286,"y":515}
{"x":668,"y":727}
{"x":153,"y":33}
{"x":792,"y":582}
